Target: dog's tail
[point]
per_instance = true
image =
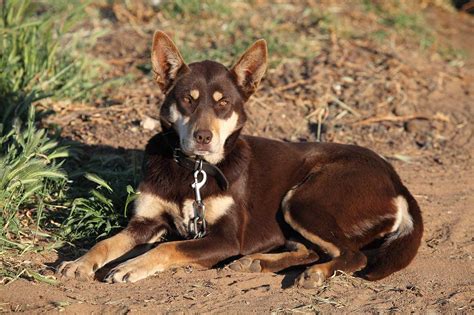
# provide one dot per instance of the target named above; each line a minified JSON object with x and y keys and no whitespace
{"x":401,"y":245}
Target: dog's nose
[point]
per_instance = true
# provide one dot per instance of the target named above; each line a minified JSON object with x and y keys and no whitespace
{"x":203,"y":136}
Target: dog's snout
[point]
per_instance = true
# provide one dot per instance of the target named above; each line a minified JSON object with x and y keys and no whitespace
{"x":203,"y":136}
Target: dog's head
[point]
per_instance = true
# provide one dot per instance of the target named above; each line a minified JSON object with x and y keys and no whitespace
{"x":204,"y":100}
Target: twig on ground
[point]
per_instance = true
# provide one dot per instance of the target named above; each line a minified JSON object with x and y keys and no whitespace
{"x":293,"y":84}
{"x":261,"y":103}
{"x":345,"y":106}
{"x":392,"y":118}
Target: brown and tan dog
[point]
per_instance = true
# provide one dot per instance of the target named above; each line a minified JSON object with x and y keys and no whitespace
{"x":261,"y":195}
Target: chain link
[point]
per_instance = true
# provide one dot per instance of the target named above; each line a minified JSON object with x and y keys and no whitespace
{"x":197,"y":225}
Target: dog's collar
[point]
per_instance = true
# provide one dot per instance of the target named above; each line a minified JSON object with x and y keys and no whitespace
{"x":190,"y":164}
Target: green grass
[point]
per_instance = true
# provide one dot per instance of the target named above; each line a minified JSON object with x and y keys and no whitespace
{"x":36,"y":56}
{"x":30,"y":172}
{"x":221,"y":31}
{"x":395,"y":17}
{"x":196,"y":8}
{"x":103,"y":192}
{"x":40,"y":58}
{"x":49,"y":190}
{"x":29,"y":159}
{"x":407,"y":23}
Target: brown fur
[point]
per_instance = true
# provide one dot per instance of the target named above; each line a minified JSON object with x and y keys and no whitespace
{"x":341,"y":199}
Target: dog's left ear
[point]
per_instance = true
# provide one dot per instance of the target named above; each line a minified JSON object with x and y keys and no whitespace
{"x":250,"y":68}
{"x":166,"y":60}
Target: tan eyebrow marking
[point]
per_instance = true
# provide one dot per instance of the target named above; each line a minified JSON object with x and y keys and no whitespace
{"x":217,"y":96}
{"x":194,"y":94}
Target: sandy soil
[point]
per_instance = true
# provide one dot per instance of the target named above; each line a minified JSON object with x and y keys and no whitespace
{"x":433,"y":155}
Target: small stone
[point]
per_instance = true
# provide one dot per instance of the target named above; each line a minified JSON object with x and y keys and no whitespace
{"x":418,"y":126}
{"x":149,"y":123}
{"x":402,"y":109}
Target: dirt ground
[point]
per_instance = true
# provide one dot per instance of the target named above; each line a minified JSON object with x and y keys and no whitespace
{"x":415,"y":110}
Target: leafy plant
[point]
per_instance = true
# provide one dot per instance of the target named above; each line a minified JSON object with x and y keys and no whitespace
{"x":96,"y":216}
{"x":36,"y":63}
{"x":29,"y":165}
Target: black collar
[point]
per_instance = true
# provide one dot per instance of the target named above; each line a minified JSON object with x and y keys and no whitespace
{"x":212,"y":170}
{"x":190,"y":163}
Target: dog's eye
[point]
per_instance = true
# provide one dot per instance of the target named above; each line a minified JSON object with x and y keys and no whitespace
{"x":186,"y":100}
{"x":223,"y":103}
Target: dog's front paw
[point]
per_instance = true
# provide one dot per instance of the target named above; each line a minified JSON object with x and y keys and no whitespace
{"x":129,"y":271}
{"x":246,"y":264}
{"x":77,"y":269}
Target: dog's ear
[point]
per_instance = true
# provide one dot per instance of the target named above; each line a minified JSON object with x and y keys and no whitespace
{"x":250,"y":68}
{"x":166,"y":60}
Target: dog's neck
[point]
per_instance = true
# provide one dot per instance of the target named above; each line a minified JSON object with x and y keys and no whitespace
{"x":236,"y":158}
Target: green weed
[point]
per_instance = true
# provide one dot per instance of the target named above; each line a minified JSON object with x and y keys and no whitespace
{"x":395,"y":17}
{"x":28,"y":168}
{"x":96,"y":216}
{"x":221,"y":31}
{"x":103,"y":184}
{"x":37,"y":62}
{"x":195,"y":8}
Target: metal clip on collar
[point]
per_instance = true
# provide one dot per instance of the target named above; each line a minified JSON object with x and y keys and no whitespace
{"x":197,"y":225}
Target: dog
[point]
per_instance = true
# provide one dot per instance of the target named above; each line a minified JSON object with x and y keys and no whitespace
{"x":267,"y":204}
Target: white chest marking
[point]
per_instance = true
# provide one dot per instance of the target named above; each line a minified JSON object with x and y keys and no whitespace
{"x":216,"y":207}
{"x":151,"y":206}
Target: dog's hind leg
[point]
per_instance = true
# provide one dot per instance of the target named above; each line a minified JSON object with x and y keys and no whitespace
{"x":274,"y":262}
{"x":320,"y":228}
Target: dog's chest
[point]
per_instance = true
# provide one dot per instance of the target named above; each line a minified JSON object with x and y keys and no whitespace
{"x":214,"y":208}
{"x":152,"y":206}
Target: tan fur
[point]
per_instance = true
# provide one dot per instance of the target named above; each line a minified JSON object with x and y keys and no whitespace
{"x":403,"y":220}
{"x":99,"y":255}
{"x":216,"y":207}
{"x":362,"y":227}
{"x":286,"y":200}
{"x":275,"y":262}
{"x":194,"y":94}
{"x":151,"y":206}
{"x":156,"y":260}
{"x":326,"y":246}
{"x":217,"y":96}
{"x":222,"y":129}
{"x":324,"y":268}
{"x":180,"y":122}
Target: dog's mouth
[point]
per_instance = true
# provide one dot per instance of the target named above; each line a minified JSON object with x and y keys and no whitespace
{"x":196,"y":150}
{"x":202,"y":152}
{"x":212,"y":152}
{"x":208,"y":154}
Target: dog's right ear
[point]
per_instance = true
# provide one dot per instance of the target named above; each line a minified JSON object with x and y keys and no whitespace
{"x":166,"y":60}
